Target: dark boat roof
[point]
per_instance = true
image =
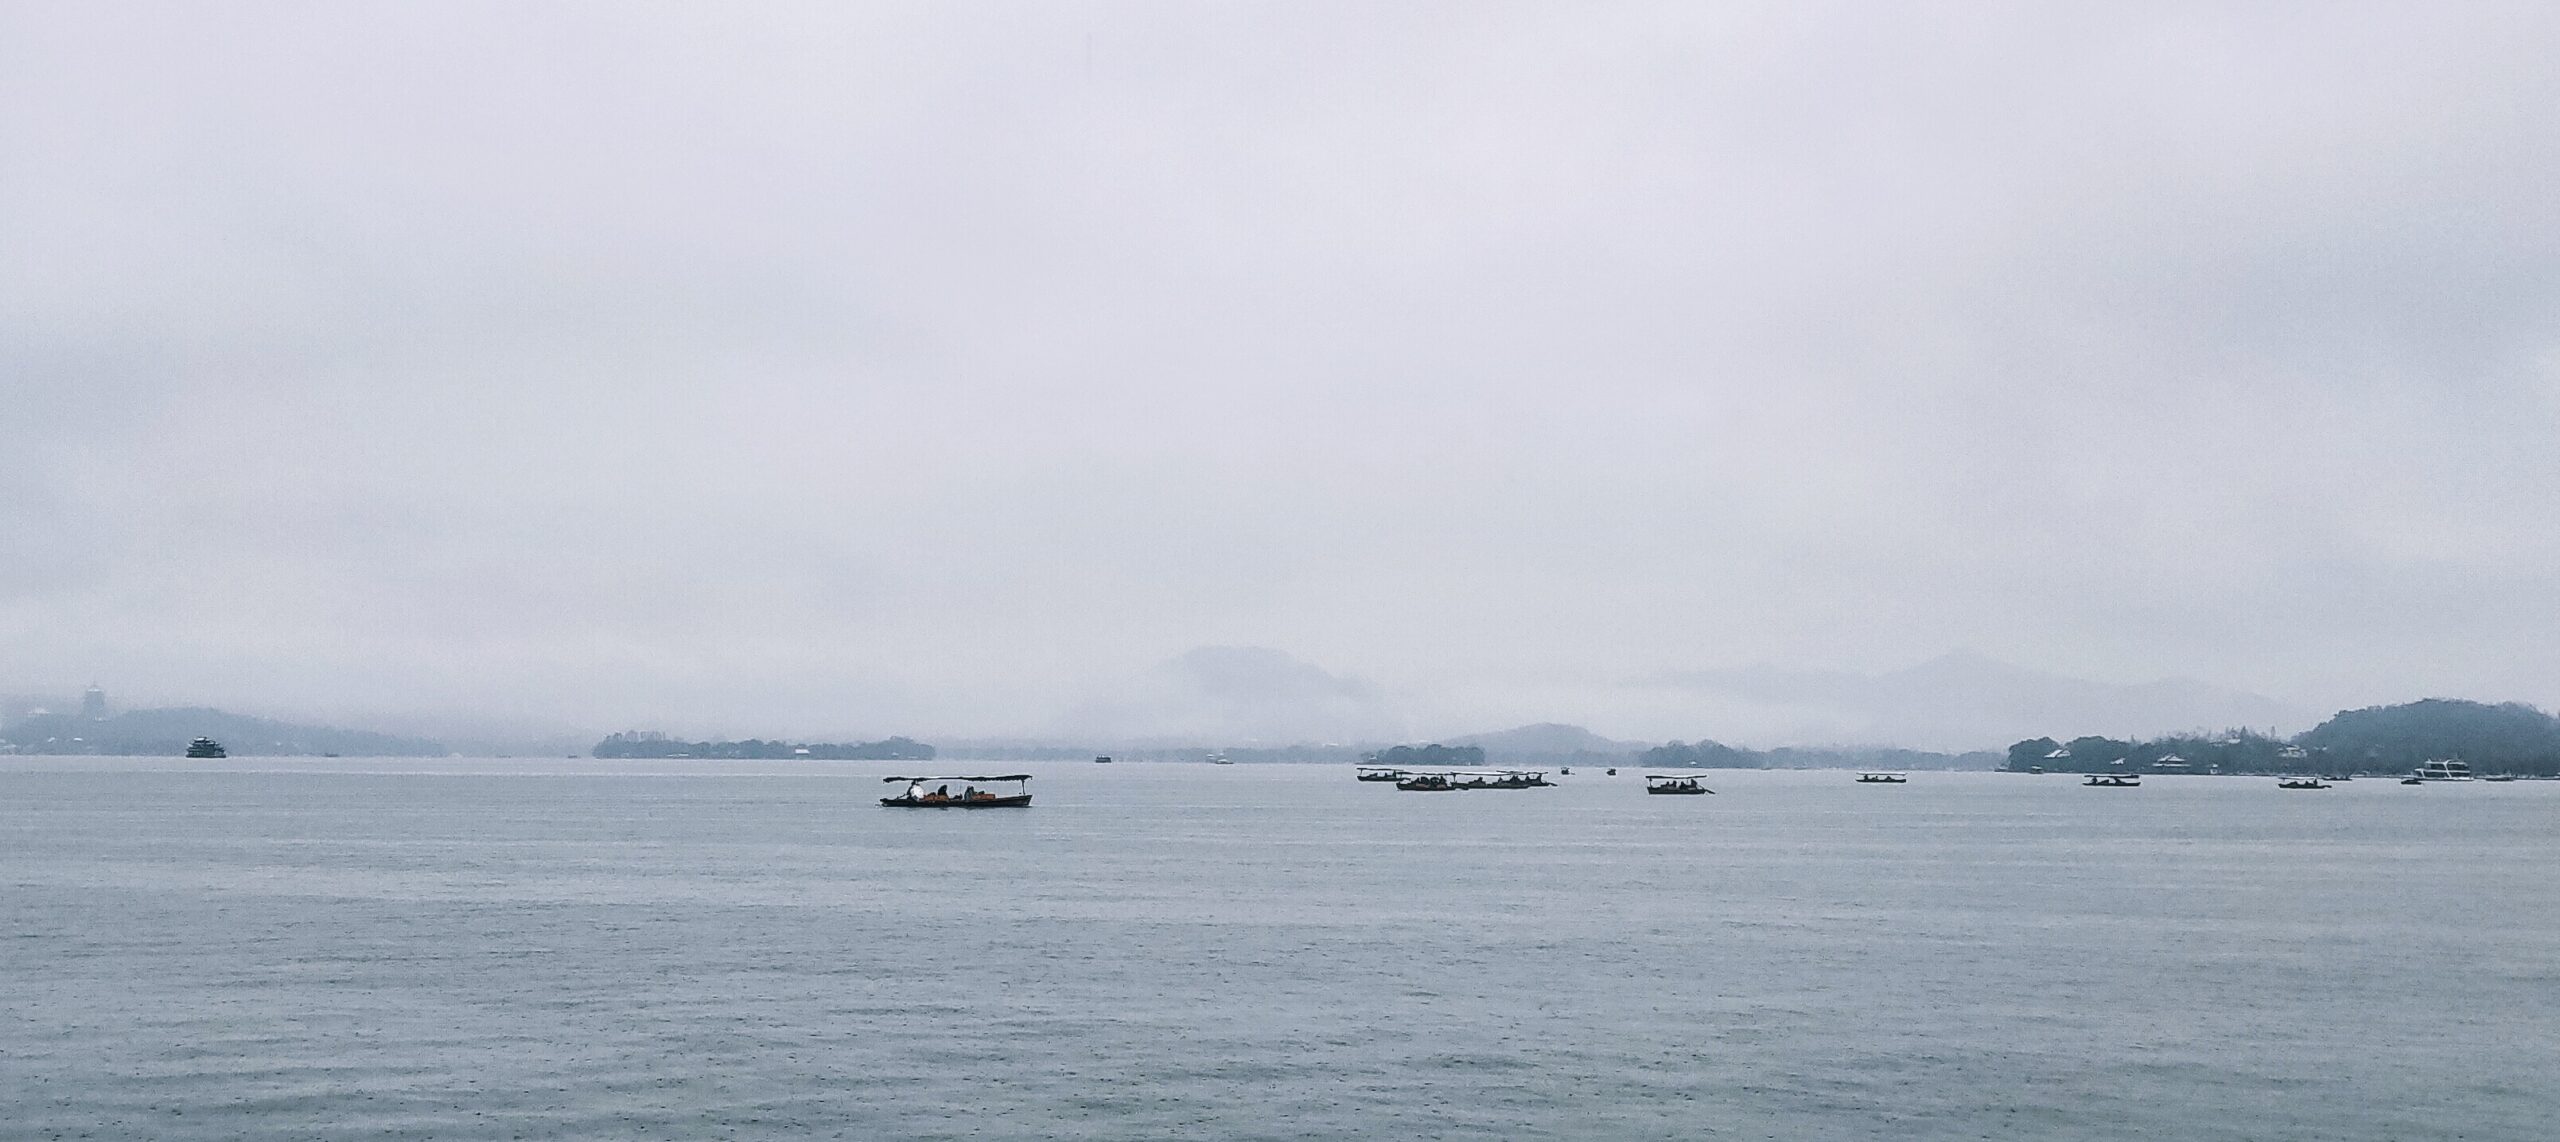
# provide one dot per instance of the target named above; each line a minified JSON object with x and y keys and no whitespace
{"x":962,"y":777}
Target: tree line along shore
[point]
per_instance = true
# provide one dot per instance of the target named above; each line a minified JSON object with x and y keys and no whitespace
{"x":2504,"y":739}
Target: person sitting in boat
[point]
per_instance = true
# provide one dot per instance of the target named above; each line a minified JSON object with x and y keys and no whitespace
{"x":940,"y":793}
{"x":971,"y":794}
{"x":915,"y":791}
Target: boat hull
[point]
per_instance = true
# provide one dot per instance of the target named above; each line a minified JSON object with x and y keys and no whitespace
{"x":1017,"y":801}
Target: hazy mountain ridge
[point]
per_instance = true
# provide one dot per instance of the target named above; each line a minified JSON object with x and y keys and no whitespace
{"x":1241,"y":694}
{"x":1965,"y":701}
{"x":1548,"y":742}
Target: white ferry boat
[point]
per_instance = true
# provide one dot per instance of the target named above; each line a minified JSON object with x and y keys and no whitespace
{"x":2445,"y":769}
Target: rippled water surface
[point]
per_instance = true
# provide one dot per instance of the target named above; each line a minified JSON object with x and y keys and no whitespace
{"x":579,"y":949}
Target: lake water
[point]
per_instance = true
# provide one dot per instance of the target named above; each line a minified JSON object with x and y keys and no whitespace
{"x":354,"y":949}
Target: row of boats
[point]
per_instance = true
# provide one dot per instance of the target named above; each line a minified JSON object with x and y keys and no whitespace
{"x":1454,"y":780}
{"x":1018,"y":793}
{"x":2444,"y":769}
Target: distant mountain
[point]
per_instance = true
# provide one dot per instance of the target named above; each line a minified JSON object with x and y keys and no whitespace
{"x":1547,"y":742}
{"x":165,"y":733}
{"x":1965,"y":701}
{"x":1235,"y":695}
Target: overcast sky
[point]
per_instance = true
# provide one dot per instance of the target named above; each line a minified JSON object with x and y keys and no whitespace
{"x":944,"y":369}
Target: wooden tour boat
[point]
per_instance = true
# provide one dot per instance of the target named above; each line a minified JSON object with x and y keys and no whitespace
{"x":1883,"y":777}
{"x":1674,"y":784}
{"x":969,"y":797}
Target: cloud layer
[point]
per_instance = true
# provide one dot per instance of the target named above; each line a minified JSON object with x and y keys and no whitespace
{"x":812,"y":369}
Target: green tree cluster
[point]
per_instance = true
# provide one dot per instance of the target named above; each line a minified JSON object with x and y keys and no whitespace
{"x":1433,"y":756}
{"x":2506,"y":738}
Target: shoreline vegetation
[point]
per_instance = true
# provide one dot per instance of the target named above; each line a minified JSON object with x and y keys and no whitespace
{"x":2506,"y":739}
{"x":2493,"y":739}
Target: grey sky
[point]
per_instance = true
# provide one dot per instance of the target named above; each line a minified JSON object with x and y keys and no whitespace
{"x":946,"y":369}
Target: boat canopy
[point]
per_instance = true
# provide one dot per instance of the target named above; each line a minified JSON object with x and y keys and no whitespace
{"x":1005,"y":777}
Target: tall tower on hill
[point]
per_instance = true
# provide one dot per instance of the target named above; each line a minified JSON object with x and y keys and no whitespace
{"x":93,"y":704}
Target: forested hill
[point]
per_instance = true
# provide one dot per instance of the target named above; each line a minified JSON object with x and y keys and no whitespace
{"x":2505,"y":738}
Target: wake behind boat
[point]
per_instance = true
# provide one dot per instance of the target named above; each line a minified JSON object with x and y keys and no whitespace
{"x":969,"y":797}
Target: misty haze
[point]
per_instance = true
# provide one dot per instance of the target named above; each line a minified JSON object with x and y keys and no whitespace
{"x":510,"y":509}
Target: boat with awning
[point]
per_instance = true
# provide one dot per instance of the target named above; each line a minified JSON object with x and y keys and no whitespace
{"x":970,"y":796}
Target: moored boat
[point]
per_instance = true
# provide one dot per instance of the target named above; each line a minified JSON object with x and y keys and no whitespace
{"x":1501,"y":779}
{"x":970,"y":796}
